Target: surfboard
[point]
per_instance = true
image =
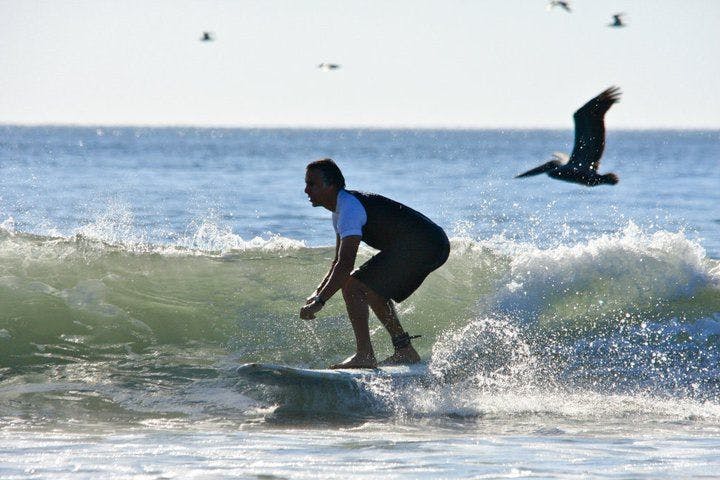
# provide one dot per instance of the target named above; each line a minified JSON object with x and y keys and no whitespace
{"x":284,"y":375}
{"x":343,"y":393}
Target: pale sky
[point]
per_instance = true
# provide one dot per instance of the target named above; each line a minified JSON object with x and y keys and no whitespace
{"x":404,"y":63}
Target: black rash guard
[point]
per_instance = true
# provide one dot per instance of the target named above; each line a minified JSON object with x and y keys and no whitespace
{"x":391,"y":224}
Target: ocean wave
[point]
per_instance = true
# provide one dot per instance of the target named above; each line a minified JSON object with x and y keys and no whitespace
{"x":631,"y":313}
{"x":625,"y":277}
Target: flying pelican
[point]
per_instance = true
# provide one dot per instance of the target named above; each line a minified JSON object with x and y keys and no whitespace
{"x":207,"y":37}
{"x":617,"y":21}
{"x":326,"y":67}
{"x":582,"y":164}
{"x":559,"y":3}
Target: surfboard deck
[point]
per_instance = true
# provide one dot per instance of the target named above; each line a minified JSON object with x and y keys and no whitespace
{"x":284,"y":375}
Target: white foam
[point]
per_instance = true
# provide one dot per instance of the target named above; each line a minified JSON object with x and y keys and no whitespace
{"x":8,"y":226}
{"x":613,"y":272}
{"x":115,"y":229}
{"x":115,"y":226}
{"x":485,"y":350}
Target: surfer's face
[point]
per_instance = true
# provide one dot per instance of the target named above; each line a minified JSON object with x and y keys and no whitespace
{"x":317,"y":191}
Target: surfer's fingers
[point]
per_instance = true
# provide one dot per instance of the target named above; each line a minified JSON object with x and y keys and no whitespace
{"x":306,"y":313}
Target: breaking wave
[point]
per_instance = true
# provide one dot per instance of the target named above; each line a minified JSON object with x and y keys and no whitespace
{"x":114,"y":326}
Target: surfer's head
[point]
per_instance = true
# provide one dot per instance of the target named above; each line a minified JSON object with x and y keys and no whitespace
{"x":330,"y":172}
{"x":323,"y":180}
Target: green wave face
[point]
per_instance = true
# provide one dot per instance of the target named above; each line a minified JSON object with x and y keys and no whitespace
{"x":161,"y":329}
{"x":74,"y":299}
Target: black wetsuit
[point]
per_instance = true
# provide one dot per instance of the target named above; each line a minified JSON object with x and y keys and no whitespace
{"x":411,"y":246}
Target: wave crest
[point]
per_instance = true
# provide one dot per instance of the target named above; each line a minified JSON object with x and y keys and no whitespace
{"x":620,"y":277}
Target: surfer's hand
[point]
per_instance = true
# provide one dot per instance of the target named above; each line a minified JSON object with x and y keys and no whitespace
{"x":309,"y":310}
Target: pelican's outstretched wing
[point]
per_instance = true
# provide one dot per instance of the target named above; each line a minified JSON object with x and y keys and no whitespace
{"x":590,"y":130}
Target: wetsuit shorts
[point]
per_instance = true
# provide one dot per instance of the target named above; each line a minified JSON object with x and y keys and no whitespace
{"x":395,"y":273}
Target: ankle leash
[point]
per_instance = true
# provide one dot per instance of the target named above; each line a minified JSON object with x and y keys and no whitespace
{"x":403,"y":340}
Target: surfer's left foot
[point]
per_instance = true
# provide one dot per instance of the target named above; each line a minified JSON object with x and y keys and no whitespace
{"x":357,"y":361}
{"x":402,"y":356}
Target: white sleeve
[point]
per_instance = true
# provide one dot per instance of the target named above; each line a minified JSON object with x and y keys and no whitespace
{"x":351,"y":217}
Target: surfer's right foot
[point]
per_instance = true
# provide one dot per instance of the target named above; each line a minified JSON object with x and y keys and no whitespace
{"x":402,"y":356}
{"x":357,"y":361}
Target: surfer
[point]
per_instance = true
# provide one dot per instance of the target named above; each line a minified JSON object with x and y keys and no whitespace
{"x":410,"y":247}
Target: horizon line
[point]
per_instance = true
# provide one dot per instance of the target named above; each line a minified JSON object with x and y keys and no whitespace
{"x":339,"y":127}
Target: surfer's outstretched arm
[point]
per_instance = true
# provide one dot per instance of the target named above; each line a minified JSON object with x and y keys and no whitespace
{"x":327,"y":275}
{"x":339,"y":274}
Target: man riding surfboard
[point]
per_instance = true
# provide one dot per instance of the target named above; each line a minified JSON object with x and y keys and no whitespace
{"x":410,"y":247}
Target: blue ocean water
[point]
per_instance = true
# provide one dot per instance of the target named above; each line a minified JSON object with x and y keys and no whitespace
{"x":574,"y":331}
{"x":161,"y":185}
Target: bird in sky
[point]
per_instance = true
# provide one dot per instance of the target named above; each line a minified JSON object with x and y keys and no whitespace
{"x":559,"y":3}
{"x":582,"y":164}
{"x":617,"y":21}
{"x":207,"y":37}
{"x":326,"y":67}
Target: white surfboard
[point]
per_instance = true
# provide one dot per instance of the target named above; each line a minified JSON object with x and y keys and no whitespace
{"x":283,"y":375}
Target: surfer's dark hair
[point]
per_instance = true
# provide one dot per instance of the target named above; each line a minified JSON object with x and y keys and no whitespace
{"x":330,"y":171}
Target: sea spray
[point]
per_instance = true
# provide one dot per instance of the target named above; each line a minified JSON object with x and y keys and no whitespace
{"x":486,"y":352}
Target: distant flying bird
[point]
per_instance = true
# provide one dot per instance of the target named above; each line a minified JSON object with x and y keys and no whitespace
{"x":581,"y":167}
{"x":207,"y":37}
{"x":559,"y":3}
{"x":617,"y":21}
{"x":326,"y":67}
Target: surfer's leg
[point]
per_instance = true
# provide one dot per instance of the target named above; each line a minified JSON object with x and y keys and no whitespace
{"x":356,"y":302}
{"x":385,"y":311}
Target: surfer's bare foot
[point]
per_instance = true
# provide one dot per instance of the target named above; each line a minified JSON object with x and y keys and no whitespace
{"x":402,"y":356}
{"x":357,"y":361}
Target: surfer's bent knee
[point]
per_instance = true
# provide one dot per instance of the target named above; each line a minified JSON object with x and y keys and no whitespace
{"x":353,"y":286}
